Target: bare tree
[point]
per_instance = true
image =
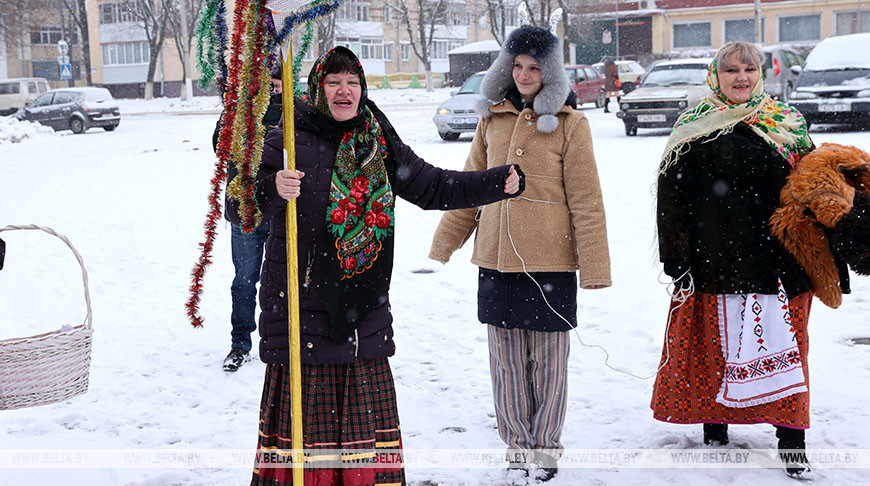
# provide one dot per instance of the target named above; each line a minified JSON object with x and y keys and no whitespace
{"x":503,"y":14}
{"x":79,"y":15}
{"x":325,"y":34}
{"x":420,"y":24}
{"x":183,"y":17}
{"x":153,"y":17}
{"x":18,"y":17}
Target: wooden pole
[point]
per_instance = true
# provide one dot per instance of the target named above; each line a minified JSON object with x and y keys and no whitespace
{"x":292,"y":271}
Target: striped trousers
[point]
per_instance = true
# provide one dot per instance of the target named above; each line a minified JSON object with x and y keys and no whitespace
{"x":529,"y":387}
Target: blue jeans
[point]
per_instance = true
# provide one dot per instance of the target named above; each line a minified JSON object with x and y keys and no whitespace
{"x":247,"y":251}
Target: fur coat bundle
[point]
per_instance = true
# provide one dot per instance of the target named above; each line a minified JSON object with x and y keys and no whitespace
{"x":824,"y":217}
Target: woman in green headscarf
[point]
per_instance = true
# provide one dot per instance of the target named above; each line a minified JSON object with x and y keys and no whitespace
{"x":736,"y":349}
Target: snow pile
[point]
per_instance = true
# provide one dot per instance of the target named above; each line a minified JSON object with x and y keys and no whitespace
{"x":212,"y":104}
{"x":169,"y":105}
{"x":14,"y":130}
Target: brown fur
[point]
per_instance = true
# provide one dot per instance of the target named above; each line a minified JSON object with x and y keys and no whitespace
{"x":818,"y":192}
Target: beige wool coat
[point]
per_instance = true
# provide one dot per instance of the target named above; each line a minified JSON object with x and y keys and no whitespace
{"x":558,"y":223}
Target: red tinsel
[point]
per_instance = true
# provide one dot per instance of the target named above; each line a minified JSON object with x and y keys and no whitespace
{"x":220,"y":173}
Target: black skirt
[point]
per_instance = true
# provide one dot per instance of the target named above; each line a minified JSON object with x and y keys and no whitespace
{"x":514,"y":301}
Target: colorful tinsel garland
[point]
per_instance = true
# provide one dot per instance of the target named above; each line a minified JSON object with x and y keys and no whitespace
{"x":245,"y":85}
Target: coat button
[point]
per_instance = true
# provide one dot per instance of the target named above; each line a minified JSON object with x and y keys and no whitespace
{"x":528,"y":116}
{"x":309,"y":345}
{"x":520,"y":152}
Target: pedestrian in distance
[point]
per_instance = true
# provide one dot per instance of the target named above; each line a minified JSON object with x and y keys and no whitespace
{"x":612,"y":84}
{"x":351,"y":165}
{"x":529,"y":249}
{"x":247,"y":252}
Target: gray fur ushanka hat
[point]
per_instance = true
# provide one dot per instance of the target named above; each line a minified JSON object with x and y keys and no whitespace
{"x":546,"y":48}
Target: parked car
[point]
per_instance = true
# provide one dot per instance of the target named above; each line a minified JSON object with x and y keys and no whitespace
{"x":629,"y":73}
{"x":457,"y":115}
{"x":669,"y":89}
{"x":17,"y":92}
{"x":76,"y":109}
{"x":834,"y":84}
{"x":779,"y":79}
{"x":587,"y":84}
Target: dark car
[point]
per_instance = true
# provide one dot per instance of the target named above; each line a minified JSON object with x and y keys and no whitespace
{"x":76,"y":109}
{"x":458,"y":115}
{"x":587,"y":83}
{"x":834,"y":85}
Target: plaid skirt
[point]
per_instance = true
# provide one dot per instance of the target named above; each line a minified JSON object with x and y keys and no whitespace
{"x":351,"y":430}
{"x":685,"y":388}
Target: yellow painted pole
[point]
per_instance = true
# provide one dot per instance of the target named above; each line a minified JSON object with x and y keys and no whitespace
{"x":292,"y":272}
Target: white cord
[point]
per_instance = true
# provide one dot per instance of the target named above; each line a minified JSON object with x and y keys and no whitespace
{"x":678,"y":294}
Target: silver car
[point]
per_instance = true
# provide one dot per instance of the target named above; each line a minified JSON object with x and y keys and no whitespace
{"x":457,"y":115}
{"x":76,"y":109}
{"x":669,"y":89}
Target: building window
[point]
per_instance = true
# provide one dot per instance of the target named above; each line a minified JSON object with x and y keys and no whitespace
{"x":388,"y":14}
{"x":49,"y":69}
{"x":441,"y":47}
{"x":48,"y":36}
{"x":456,"y":18}
{"x":123,"y":53}
{"x":354,"y":12}
{"x":852,"y":23}
{"x":697,"y":34}
{"x":309,"y":53}
{"x":742,"y":30}
{"x":388,"y":52}
{"x":800,"y":28}
{"x":365,"y":48}
{"x":114,"y":12}
{"x":469,"y":18}
{"x":406,"y":51}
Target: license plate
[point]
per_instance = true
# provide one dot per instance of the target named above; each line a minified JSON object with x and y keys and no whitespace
{"x":837,"y":107}
{"x":651,"y":118}
{"x":465,"y":121}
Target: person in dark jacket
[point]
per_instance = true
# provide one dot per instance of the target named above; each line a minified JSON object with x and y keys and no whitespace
{"x":247,"y":251}
{"x":736,"y":345}
{"x":351,"y":165}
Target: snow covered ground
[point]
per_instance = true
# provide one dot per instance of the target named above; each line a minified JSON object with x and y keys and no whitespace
{"x":133,"y":202}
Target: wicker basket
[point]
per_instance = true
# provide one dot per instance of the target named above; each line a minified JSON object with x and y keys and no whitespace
{"x":50,"y":367}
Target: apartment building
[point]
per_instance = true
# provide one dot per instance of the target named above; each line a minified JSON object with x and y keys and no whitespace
{"x":34,"y":52}
{"x":655,"y":27}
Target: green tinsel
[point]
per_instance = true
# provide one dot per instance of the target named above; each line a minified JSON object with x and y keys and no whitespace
{"x":207,"y":43}
{"x":385,"y":82}
{"x":305,"y":43}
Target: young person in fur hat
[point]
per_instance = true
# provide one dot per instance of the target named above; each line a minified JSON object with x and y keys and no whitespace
{"x":351,"y":166}
{"x":736,"y":348}
{"x":557,"y":228}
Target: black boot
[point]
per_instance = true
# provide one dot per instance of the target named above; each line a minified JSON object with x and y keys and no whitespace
{"x":716,"y":434}
{"x":606,"y":102}
{"x":793,"y":452}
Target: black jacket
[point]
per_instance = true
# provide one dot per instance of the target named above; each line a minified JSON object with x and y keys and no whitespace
{"x":415,"y":180}
{"x":713,"y":210}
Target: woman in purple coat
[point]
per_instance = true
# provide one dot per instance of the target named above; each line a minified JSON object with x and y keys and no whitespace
{"x":351,"y":166}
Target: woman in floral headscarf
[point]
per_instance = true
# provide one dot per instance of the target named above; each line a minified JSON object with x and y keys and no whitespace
{"x":736,"y":348}
{"x":351,"y":166}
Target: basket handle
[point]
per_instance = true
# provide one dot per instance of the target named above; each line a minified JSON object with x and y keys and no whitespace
{"x":50,"y":231}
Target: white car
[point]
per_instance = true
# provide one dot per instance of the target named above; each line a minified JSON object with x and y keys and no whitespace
{"x":834,"y":84}
{"x":670,"y":88}
{"x":629,"y":73}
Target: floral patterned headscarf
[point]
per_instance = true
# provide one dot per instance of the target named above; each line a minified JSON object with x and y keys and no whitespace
{"x":780,"y":125}
{"x":360,"y":211}
{"x":359,"y":219}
